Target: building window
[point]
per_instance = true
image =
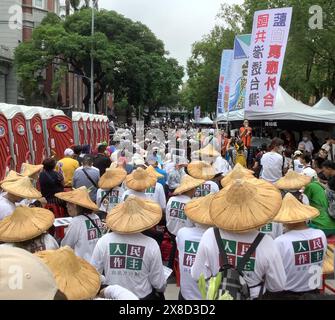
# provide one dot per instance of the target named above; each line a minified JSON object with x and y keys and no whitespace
{"x":39,"y":4}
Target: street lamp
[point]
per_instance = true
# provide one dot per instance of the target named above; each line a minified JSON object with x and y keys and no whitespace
{"x":92,"y":111}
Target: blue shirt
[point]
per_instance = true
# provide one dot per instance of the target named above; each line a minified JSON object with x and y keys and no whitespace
{"x":162,"y":181}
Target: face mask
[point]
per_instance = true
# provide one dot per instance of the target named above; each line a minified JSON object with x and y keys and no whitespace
{"x":305,"y":139}
{"x":281,"y":149}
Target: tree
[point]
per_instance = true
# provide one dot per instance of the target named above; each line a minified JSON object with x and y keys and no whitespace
{"x":128,"y":58}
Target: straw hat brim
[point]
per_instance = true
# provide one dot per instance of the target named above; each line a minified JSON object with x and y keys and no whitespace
{"x":154,"y":173}
{"x":140,"y":185}
{"x":187,"y":186}
{"x":80,"y":199}
{"x":201,"y":170}
{"x":245,"y":205}
{"x":25,"y":224}
{"x":197,"y":210}
{"x":26,"y":191}
{"x":134,"y":215}
{"x":81,"y":285}
{"x":112,"y":179}
{"x":328,"y":262}
{"x":292,"y":211}
{"x":30,"y":169}
{"x":208,"y":151}
{"x":293,"y":181}
{"x":12,"y":176}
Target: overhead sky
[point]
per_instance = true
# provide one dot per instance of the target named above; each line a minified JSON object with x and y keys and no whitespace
{"x":179,"y":23}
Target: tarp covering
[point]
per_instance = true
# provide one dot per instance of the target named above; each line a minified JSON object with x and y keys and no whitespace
{"x":205,"y":120}
{"x":325,"y":104}
{"x":286,"y":108}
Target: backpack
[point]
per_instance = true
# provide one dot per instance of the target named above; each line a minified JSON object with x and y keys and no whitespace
{"x":331,"y":202}
{"x":232,"y":277}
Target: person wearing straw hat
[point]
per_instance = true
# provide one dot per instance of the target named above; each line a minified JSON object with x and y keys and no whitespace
{"x":188,"y":240}
{"x":31,"y":171}
{"x":27,"y":228}
{"x":138,"y":182}
{"x":238,"y":211}
{"x":302,"y":249}
{"x":204,"y":171}
{"x":175,"y":214}
{"x":85,"y":228}
{"x":37,"y":281}
{"x":110,"y":191}
{"x":126,"y":256}
{"x":16,"y":190}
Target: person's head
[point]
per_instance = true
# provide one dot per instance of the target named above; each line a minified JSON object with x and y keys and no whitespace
{"x":288,"y":152}
{"x":190,"y":193}
{"x":264,"y":147}
{"x":13,"y":198}
{"x":323,"y":154}
{"x":277,"y":145}
{"x":86,"y":149}
{"x":75,"y":210}
{"x":322,"y":178}
{"x":77,"y":150}
{"x":49,"y":164}
{"x":305,"y":138}
{"x":68,"y":153}
{"x":246,"y":123}
{"x":306,"y":158}
{"x":328,"y":168}
{"x":87,"y":161}
{"x":101,"y":148}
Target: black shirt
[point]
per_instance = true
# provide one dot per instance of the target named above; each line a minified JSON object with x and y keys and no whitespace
{"x":102,"y":163}
{"x":51,"y":182}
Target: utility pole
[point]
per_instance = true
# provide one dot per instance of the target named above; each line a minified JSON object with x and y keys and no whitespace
{"x":92,"y":109}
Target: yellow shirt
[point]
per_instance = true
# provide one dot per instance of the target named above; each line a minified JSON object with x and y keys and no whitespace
{"x":67,"y":167}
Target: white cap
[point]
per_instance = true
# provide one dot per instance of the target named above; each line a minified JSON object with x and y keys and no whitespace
{"x":24,"y":276}
{"x":68,"y":152}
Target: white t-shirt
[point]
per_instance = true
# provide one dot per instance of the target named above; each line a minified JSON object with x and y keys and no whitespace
{"x":82,"y":235}
{"x":175,"y":214}
{"x":45,"y":242}
{"x":221,"y":166}
{"x":113,"y":199}
{"x":302,"y":252}
{"x":139,"y":194}
{"x":132,"y":261}
{"x":273,"y":229}
{"x":188,"y":240}
{"x":266,"y":261}
{"x":157,"y":194}
{"x":298,"y":166}
{"x":118,"y":293}
{"x":272,"y":165}
{"x":206,"y":188}
{"x":6,"y":207}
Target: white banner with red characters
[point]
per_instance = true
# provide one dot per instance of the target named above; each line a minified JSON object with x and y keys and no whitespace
{"x":267,"y":51}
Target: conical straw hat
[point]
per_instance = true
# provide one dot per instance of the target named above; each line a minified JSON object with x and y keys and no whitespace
{"x":188,"y":183}
{"x":197,"y":210}
{"x":25,"y":223}
{"x":80,"y":197}
{"x":328,"y":262}
{"x":245,"y":205}
{"x":292,"y":181}
{"x":12,"y":176}
{"x":293,"y":211}
{"x":208,"y":151}
{"x":201,"y":170}
{"x":239,"y":172}
{"x":74,"y":276}
{"x":151,"y":170}
{"x":140,"y":180}
{"x":112,"y":178}
{"x":134,"y":215}
{"x":29,"y":170}
{"x":21,"y":188}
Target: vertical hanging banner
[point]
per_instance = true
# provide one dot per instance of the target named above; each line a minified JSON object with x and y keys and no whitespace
{"x":197,"y":114}
{"x":268,"y":45}
{"x":239,"y":72}
{"x":224,"y":82}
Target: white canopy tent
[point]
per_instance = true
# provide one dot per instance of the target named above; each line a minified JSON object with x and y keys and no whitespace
{"x":286,"y":108}
{"x":325,"y":104}
{"x":205,"y":121}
